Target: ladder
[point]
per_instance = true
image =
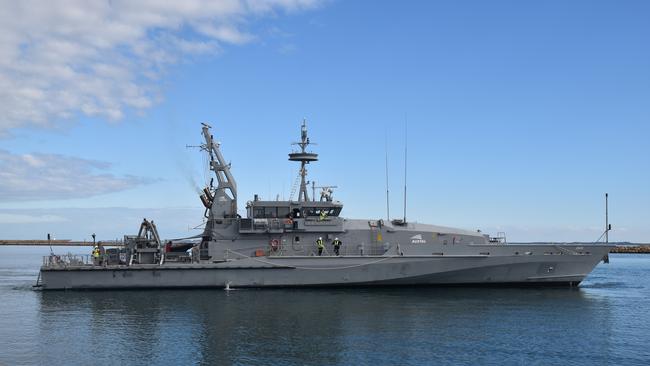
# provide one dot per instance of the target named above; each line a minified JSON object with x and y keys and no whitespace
{"x":294,"y":187}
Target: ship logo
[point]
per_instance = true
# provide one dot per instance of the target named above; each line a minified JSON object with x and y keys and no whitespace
{"x":417,"y":239}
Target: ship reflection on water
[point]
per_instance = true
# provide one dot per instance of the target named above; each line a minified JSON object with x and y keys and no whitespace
{"x":342,"y":326}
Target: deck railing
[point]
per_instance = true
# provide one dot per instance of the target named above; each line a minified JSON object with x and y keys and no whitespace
{"x":66,"y":260}
{"x":345,"y":250}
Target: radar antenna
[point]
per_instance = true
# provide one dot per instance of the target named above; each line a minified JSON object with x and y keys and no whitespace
{"x":326,"y":193}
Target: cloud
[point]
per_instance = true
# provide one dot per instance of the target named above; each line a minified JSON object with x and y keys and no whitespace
{"x":50,"y":176}
{"x":108,"y":223}
{"x":62,"y":58}
{"x":12,"y":218}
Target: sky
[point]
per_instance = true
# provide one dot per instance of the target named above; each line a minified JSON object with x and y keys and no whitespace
{"x":518,"y":115}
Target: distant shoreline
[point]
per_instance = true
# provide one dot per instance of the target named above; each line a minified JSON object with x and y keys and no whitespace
{"x":58,"y":243}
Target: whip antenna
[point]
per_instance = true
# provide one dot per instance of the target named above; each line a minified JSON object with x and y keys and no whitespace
{"x":406,"y":124}
{"x":387,"y":190}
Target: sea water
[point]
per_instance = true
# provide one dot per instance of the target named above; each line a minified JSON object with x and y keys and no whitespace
{"x":606,"y":321}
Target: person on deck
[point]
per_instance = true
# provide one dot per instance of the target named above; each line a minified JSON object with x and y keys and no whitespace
{"x":319,"y":244}
{"x":337,"y":245}
{"x":96,"y":255}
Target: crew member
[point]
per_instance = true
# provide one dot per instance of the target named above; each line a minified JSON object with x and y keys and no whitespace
{"x":323,"y":215}
{"x":337,"y":245}
{"x":96,"y":254}
{"x":319,"y":244}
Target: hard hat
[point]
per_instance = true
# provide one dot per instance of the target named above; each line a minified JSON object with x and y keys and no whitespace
{"x":320,"y":237}
{"x":336,"y":238}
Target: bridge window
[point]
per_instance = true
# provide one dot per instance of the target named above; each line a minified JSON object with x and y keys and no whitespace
{"x":265,"y":212}
{"x":316,"y":211}
{"x":270,"y":212}
{"x":283,"y":211}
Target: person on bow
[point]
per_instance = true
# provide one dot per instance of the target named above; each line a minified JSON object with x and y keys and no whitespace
{"x":320,"y":245}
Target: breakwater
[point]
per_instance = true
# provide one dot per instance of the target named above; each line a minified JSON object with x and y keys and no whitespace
{"x":632,"y":249}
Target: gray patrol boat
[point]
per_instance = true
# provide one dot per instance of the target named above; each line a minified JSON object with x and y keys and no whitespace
{"x":291,"y":244}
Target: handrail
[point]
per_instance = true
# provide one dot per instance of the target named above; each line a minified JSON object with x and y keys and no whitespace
{"x":566,"y":250}
{"x":370,"y":249}
{"x":66,"y":260}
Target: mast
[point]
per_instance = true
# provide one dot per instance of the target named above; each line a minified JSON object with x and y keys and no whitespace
{"x":304,"y":157}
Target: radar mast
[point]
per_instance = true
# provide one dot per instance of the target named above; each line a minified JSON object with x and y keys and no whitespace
{"x":304,"y":157}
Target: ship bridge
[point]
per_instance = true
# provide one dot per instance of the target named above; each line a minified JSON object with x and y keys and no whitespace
{"x":288,"y":216}
{"x":292,"y":209}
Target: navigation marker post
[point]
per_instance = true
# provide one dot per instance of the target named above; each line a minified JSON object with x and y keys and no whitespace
{"x":49,"y":242}
{"x":608,"y":227}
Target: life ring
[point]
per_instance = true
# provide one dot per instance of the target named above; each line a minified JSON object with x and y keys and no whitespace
{"x":275,"y":244}
{"x":288,"y":221}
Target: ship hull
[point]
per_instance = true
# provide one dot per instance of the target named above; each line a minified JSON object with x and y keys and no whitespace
{"x":474,"y":270}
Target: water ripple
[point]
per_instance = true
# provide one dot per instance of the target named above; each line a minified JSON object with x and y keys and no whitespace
{"x":601,"y":323}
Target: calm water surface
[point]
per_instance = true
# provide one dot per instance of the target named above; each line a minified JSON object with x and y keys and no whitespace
{"x":604,"y":322}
